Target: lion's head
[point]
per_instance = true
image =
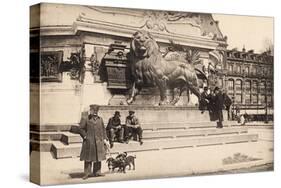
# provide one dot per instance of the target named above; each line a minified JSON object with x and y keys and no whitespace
{"x":143,"y":45}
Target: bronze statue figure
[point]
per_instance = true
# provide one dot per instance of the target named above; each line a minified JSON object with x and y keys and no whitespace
{"x":149,"y":67}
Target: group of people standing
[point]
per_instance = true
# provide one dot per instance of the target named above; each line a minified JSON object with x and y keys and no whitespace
{"x":214,"y":102}
{"x":97,"y":139}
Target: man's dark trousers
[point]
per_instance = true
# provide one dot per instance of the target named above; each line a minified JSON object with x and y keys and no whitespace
{"x":133,"y":131}
{"x":220,"y":119}
{"x":88,"y":167}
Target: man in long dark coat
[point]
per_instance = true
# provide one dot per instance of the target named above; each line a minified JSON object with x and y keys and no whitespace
{"x":218,"y":101}
{"x":94,"y":139}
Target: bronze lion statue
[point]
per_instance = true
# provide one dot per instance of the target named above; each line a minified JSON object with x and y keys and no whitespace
{"x":150,"y":68}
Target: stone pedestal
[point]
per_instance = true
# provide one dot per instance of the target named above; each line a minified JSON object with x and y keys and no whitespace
{"x":60,"y":103}
{"x":118,"y":99}
{"x":92,"y":92}
{"x":151,"y":116}
{"x":151,"y":96}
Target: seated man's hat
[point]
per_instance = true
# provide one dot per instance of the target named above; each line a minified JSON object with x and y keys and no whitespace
{"x":131,"y":112}
{"x":117,"y":113}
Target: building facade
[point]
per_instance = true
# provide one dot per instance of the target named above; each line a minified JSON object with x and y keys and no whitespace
{"x":249,"y":78}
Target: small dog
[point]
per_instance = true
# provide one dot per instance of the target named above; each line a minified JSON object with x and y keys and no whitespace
{"x":122,"y":156}
{"x":129,"y":160}
{"x":116,"y":163}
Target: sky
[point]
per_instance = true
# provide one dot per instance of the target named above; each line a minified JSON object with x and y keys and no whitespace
{"x":248,"y":31}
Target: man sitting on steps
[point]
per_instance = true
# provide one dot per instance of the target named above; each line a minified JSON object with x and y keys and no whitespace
{"x":133,"y":127}
{"x":114,"y":128}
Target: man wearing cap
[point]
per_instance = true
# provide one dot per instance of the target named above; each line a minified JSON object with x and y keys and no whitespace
{"x":94,"y":139}
{"x":218,"y":101}
{"x":133,"y":126}
{"x":114,"y":128}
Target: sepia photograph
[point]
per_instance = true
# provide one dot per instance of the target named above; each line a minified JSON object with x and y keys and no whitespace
{"x":128,"y":94}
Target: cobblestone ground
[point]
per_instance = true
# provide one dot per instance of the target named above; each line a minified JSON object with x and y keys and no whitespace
{"x":167,"y":163}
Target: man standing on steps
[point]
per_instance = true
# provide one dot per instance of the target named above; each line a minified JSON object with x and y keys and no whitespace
{"x":133,"y":127}
{"x":218,"y":102}
{"x":94,"y":139}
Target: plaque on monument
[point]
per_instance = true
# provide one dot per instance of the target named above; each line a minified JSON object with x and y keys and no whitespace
{"x":116,"y":63}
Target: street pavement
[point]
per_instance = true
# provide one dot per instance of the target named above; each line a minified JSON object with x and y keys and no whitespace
{"x":162,"y":163}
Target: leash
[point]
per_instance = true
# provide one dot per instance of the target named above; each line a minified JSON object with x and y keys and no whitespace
{"x":107,"y":149}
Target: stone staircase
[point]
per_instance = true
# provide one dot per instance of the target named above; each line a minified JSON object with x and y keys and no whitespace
{"x":156,"y":136}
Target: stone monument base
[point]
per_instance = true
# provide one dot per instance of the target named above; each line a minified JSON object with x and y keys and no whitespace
{"x":151,"y":96}
{"x":163,"y":116}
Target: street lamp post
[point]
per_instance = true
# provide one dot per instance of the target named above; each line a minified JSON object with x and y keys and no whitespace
{"x":266,"y":113}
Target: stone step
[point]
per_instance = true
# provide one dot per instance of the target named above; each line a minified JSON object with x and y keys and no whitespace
{"x":160,"y":134}
{"x":51,"y":128}
{"x":56,"y":132}
{"x":69,"y":138}
{"x":45,"y":136}
{"x":183,"y":125}
{"x":61,"y":150}
{"x":146,"y":126}
{"x":43,"y":146}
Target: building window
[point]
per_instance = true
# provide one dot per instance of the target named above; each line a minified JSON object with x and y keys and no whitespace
{"x":269,"y":100}
{"x":254,"y":70}
{"x":248,"y":98}
{"x":255,"y":86}
{"x":230,"y":68}
{"x":238,"y":85}
{"x":271,"y":72}
{"x":262,"y":87}
{"x":248,"y":86}
{"x":247,"y":69}
{"x":265,"y":71}
{"x":238,"y":98}
{"x":269,"y":87}
{"x":238,"y":69}
{"x":254,"y":98}
{"x":262,"y":99}
{"x":230,"y":85}
{"x":259,"y":70}
{"x":247,"y":91}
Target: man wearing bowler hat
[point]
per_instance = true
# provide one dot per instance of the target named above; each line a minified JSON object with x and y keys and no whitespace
{"x":133,"y":127}
{"x":114,"y":128}
{"x":94,"y":139}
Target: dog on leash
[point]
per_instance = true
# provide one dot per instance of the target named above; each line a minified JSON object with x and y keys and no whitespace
{"x":116,"y":163}
{"x":121,"y":161}
{"x":129,"y":160}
